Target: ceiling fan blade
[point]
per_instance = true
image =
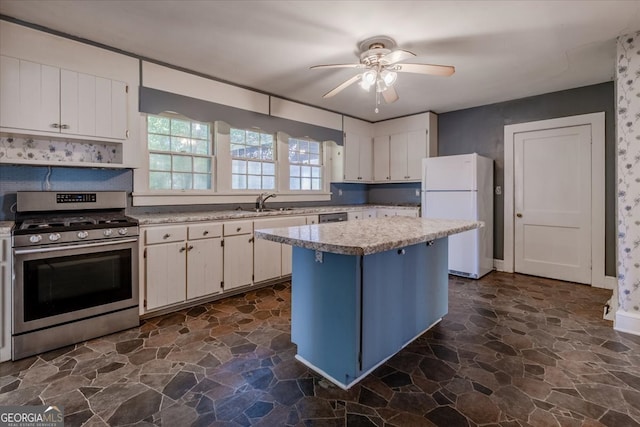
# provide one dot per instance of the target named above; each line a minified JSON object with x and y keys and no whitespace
{"x":436,"y":70}
{"x":396,"y":56}
{"x":337,"y":66}
{"x":390,"y":95}
{"x":343,"y":86}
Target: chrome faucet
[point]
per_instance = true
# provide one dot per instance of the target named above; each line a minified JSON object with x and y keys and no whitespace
{"x":263,"y":198}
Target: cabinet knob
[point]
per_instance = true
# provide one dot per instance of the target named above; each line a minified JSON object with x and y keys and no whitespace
{"x":401,"y":252}
{"x":205,"y":232}
{"x":189,"y":247}
{"x":64,"y":126}
{"x":519,"y":215}
{"x":166,"y":236}
{"x":55,"y":125}
{"x":238,"y":229}
{"x":182,"y":249}
{"x":251,"y":240}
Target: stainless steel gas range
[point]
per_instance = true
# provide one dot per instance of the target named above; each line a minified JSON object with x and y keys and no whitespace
{"x":75,"y":260}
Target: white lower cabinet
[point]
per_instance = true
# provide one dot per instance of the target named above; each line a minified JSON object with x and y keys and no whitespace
{"x":238,"y":254}
{"x":364,"y":214}
{"x":181,"y":263}
{"x":311,"y":219}
{"x":5,"y":298}
{"x":388,"y":212}
{"x":273,"y":259}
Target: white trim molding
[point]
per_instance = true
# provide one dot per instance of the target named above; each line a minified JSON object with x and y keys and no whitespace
{"x":597,"y":122}
{"x":627,"y":321}
{"x":498,"y":265}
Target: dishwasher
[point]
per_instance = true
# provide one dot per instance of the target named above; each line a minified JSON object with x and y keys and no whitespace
{"x":332,"y":217}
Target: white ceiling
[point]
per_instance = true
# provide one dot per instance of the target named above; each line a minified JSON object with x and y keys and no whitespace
{"x":501,"y":49}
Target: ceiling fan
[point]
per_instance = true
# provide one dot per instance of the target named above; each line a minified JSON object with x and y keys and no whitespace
{"x":381,"y":61}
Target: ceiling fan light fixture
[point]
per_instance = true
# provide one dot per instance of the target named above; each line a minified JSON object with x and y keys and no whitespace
{"x":381,"y":86}
{"x":364,"y":85}
{"x":369,"y":77}
{"x":389,"y":77}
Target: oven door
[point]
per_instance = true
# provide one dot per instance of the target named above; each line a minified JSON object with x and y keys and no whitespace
{"x":55,"y":285}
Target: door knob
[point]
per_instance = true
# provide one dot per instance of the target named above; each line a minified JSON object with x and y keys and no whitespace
{"x":519,"y":215}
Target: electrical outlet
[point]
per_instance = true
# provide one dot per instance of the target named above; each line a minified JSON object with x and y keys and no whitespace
{"x":339,"y":191}
{"x":417,"y":193}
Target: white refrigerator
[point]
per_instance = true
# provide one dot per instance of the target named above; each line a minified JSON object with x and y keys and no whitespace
{"x":461,"y":187}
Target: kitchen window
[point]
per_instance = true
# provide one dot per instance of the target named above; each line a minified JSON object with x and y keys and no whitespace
{"x":180,"y":154}
{"x":305,"y":164}
{"x":252,"y":160}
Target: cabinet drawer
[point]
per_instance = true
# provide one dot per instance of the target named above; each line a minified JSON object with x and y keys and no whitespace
{"x":4,"y":250}
{"x":239,"y":227}
{"x":204,"y":231}
{"x":166,"y":234}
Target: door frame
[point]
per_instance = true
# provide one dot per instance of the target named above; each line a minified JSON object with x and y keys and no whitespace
{"x":596,"y":121}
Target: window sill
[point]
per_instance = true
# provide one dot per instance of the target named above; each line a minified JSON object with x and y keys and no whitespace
{"x":188,"y":198}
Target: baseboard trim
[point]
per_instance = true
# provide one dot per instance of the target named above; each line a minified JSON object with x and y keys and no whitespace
{"x":627,"y":322}
{"x":607,"y":282}
{"x":498,"y":264}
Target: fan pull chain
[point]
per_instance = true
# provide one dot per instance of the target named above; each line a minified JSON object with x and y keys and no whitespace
{"x":377,"y":102}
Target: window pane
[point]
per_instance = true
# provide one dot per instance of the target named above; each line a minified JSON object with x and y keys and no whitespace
{"x":180,"y":145}
{"x":254,"y":168}
{"x":316,"y":172}
{"x":201,"y":182}
{"x":305,"y":183}
{"x":157,"y":124}
{"x":268,"y":182}
{"x":180,"y":127}
{"x":303,"y":157}
{"x":237,"y":136}
{"x":182,"y":163}
{"x":201,"y":164}
{"x":314,"y":147}
{"x":199,"y":146}
{"x":266,"y":138}
{"x":238,"y":182}
{"x":294,"y":183}
{"x":159,"y":142}
{"x":314,"y":159}
{"x":267,"y":152}
{"x":200,"y":130}
{"x":268,"y":168}
{"x":303,"y":146}
{"x":315,"y":184}
{"x":161,"y":162}
{"x":181,"y":181}
{"x":253,"y":138}
{"x":254,"y":182}
{"x":305,"y":171}
{"x":294,"y":170}
{"x":159,"y":180}
{"x":237,"y":150}
{"x":238,"y":166}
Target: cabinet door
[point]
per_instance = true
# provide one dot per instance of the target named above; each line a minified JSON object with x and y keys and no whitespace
{"x":381,"y":158}
{"x":354,"y":215}
{"x":287,"y":250}
{"x":204,"y":267}
{"x":385,"y":213}
{"x":30,"y":94}
{"x":119,"y":110}
{"x":416,"y":151}
{"x":398,"y":157}
{"x":411,"y":213}
{"x":166,"y":273}
{"x":366,"y":159}
{"x":311,"y":219}
{"x":5,"y":299}
{"x":267,"y":262}
{"x":352,"y":157}
{"x":238,"y":261}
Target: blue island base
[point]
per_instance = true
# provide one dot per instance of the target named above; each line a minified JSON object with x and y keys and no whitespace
{"x":351,"y":313}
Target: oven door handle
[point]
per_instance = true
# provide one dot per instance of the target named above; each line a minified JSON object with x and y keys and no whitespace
{"x":65,"y":248}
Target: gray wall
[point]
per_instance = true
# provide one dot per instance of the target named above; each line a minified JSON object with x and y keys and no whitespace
{"x":481,"y":130}
{"x":394,"y":194}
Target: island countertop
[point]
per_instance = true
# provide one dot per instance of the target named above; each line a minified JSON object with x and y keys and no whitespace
{"x":367,"y":236}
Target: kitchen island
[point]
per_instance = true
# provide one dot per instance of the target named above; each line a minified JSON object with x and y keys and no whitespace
{"x":362,"y":290}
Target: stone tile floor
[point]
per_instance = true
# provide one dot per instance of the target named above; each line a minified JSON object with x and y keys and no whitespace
{"x":513,"y":351}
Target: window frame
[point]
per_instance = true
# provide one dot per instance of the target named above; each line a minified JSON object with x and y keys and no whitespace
{"x":247,"y":174}
{"x":320,"y":166}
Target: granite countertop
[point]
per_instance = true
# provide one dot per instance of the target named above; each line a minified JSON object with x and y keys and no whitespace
{"x":6,"y":227}
{"x":367,"y":236}
{"x":176,"y":217}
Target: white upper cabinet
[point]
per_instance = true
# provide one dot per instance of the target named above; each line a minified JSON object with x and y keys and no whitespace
{"x":358,"y":151}
{"x":401,"y":144}
{"x":44,"y":98}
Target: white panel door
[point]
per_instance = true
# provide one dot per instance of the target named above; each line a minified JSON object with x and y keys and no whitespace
{"x":87,"y":102}
{"x":416,"y":151}
{"x":103,"y":107}
{"x":119,"y":111}
{"x":366,"y":158}
{"x":69,"y":107}
{"x":204,"y":267}
{"x":238,"y":261}
{"x":463,"y":247}
{"x":166,"y":274}
{"x":552,"y":203}
{"x":9,"y":92}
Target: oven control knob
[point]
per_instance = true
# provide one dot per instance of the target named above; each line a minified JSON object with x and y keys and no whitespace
{"x":35,"y":238}
{"x":54,"y":237}
{"x":83,"y":234}
{"x":122,"y":231}
{"x":107,"y":232}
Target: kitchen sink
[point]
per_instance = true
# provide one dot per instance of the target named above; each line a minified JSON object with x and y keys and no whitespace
{"x":265,"y":209}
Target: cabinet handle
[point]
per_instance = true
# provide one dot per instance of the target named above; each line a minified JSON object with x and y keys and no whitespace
{"x":204,"y":233}
{"x":55,"y":125}
{"x":189,"y":247}
{"x":519,"y":215}
{"x":166,"y":236}
{"x":401,"y":252}
{"x":182,"y":249}
{"x":238,"y":229}
{"x":64,"y":126}
{"x":251,"y":240}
